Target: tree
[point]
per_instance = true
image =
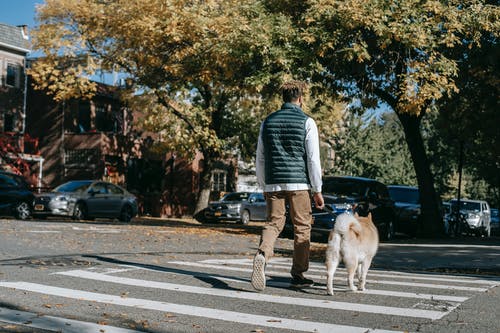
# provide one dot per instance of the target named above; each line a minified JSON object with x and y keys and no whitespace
{"x":203,"y":61}
{"x":373,"y":147}
{"x":400,"y":54}
{"x":468,"y":120}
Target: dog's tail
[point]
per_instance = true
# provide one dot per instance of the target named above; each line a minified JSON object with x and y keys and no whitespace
{"x":345,"y":224}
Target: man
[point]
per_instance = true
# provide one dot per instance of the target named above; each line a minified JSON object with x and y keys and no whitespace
{"x":288,"y":169}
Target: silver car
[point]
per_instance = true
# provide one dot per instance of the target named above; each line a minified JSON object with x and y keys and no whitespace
{"x":254,"y":209}
{"x":84,"y":199}
{"x":477,"y":214}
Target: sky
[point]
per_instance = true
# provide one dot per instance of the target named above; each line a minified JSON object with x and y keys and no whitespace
{"x":22,"y":12}
{"x":18,"y":12}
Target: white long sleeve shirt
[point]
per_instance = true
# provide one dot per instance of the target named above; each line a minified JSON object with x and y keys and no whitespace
{"x":313,"y":163}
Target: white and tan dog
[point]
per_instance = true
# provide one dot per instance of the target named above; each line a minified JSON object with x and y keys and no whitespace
{"x":353,"y":240}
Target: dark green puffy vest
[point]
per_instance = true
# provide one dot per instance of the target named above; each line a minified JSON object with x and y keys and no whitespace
{"x":284,"y":134}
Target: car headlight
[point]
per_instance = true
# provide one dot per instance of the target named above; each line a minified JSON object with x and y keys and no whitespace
{"x":233,"y":206}
{"x":473,"y":219}
{"x":61,"y":199}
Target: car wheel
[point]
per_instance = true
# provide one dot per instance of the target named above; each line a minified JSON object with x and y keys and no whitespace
{"x":487,"y":231}
{"x":126,"y":214}
{"x":388,"y":231}
{"x":245,"y":216}
{"x":22,"y":210}
{"x":80,"y":212}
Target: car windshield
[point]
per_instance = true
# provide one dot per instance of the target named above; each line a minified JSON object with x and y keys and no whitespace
{"x":236,"y":196}
{"x":344,"y":188}
{"x":467,"y":205}
{"x":402,"y":194}
{"x":76,"y":186}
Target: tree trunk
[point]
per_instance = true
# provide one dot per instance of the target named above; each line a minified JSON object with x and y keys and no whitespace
{"x":431,"y":221}
{"x":205,"y":183}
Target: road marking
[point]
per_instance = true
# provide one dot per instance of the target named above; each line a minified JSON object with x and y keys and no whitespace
{"x":231,"y":316}
{"x":366,"y":291}
{"x":98,"y":230}
{"x":44,"y":231}
{"x":275,"y":273}
{"x":36,"y":320}
{"x":261,"y":297}
{"x":314,"y":267}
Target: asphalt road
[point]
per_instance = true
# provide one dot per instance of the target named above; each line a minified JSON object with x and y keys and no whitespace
{"x":179,"y":276}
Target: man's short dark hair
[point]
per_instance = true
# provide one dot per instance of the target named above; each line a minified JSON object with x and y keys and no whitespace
{"x":292,"y":90}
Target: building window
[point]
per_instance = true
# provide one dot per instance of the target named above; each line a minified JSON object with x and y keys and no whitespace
{"x":105,"y":119}
{"x":81,"y":157}
{"x":13,"y":75}
{"x":83,"y":120}
{"x":8,"y":122}
{"x":101,"y":118}
{"x":219,"y":181}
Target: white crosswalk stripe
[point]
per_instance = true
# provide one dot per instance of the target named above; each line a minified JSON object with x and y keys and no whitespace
{"x":276,"y":273}
{"x":428,"y":296}
{"x":34,"y":320}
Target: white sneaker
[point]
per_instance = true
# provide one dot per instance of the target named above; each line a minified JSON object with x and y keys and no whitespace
{"x":258,"y":274}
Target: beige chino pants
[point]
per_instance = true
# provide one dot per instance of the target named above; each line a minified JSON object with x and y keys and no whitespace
{"x":301,"y":216}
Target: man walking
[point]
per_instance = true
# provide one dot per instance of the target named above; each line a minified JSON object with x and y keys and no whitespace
{"x":288,"y":169}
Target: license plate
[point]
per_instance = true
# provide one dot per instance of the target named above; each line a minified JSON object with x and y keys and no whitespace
{"x":217,"y":214}
{"x":39,"y":207}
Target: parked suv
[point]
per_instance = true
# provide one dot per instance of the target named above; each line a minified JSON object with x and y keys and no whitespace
{"x":477,"y":214}
{"x":407,"y":205}
{"x":362,"y":195}
{"x":16,"y":199}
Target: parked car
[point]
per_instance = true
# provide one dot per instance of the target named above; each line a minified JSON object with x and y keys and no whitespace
{"x":362,"y":195}
{"x":16,"y":199}
{"x":447,"y":217}
{"x":407,"y":206}
{"x":228,"y":208}
{"x":477,"y":214}
{"x":494,"y":222}
{"x":254,"y":209}
{"x":87,"y":199}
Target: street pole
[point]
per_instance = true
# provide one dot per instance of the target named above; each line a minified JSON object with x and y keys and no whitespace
{"x":460,"y":167}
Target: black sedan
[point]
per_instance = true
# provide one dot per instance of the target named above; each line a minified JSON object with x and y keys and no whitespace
{"x":16,"y":199}
{"x":84,"y":199}
{"x":407,"y":206}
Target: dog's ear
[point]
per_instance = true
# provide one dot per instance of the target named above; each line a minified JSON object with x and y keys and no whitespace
{"x":356,"y":215}
{"x":369,"y":216}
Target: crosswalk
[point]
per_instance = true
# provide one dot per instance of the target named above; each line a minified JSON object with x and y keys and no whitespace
{"x":222,"y":289}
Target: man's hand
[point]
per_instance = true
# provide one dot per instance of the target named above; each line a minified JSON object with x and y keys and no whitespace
{"x":319,"y":202}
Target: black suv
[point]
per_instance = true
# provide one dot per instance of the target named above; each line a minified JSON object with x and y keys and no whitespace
{"x":361,"y":195}
{"x":407,"y":202}
{"x":16,"y":199}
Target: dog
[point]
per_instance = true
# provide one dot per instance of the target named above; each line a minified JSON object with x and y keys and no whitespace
{"x":353,"y":240}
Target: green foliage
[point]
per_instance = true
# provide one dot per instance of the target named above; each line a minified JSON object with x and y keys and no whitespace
{"x":373,"y":149}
